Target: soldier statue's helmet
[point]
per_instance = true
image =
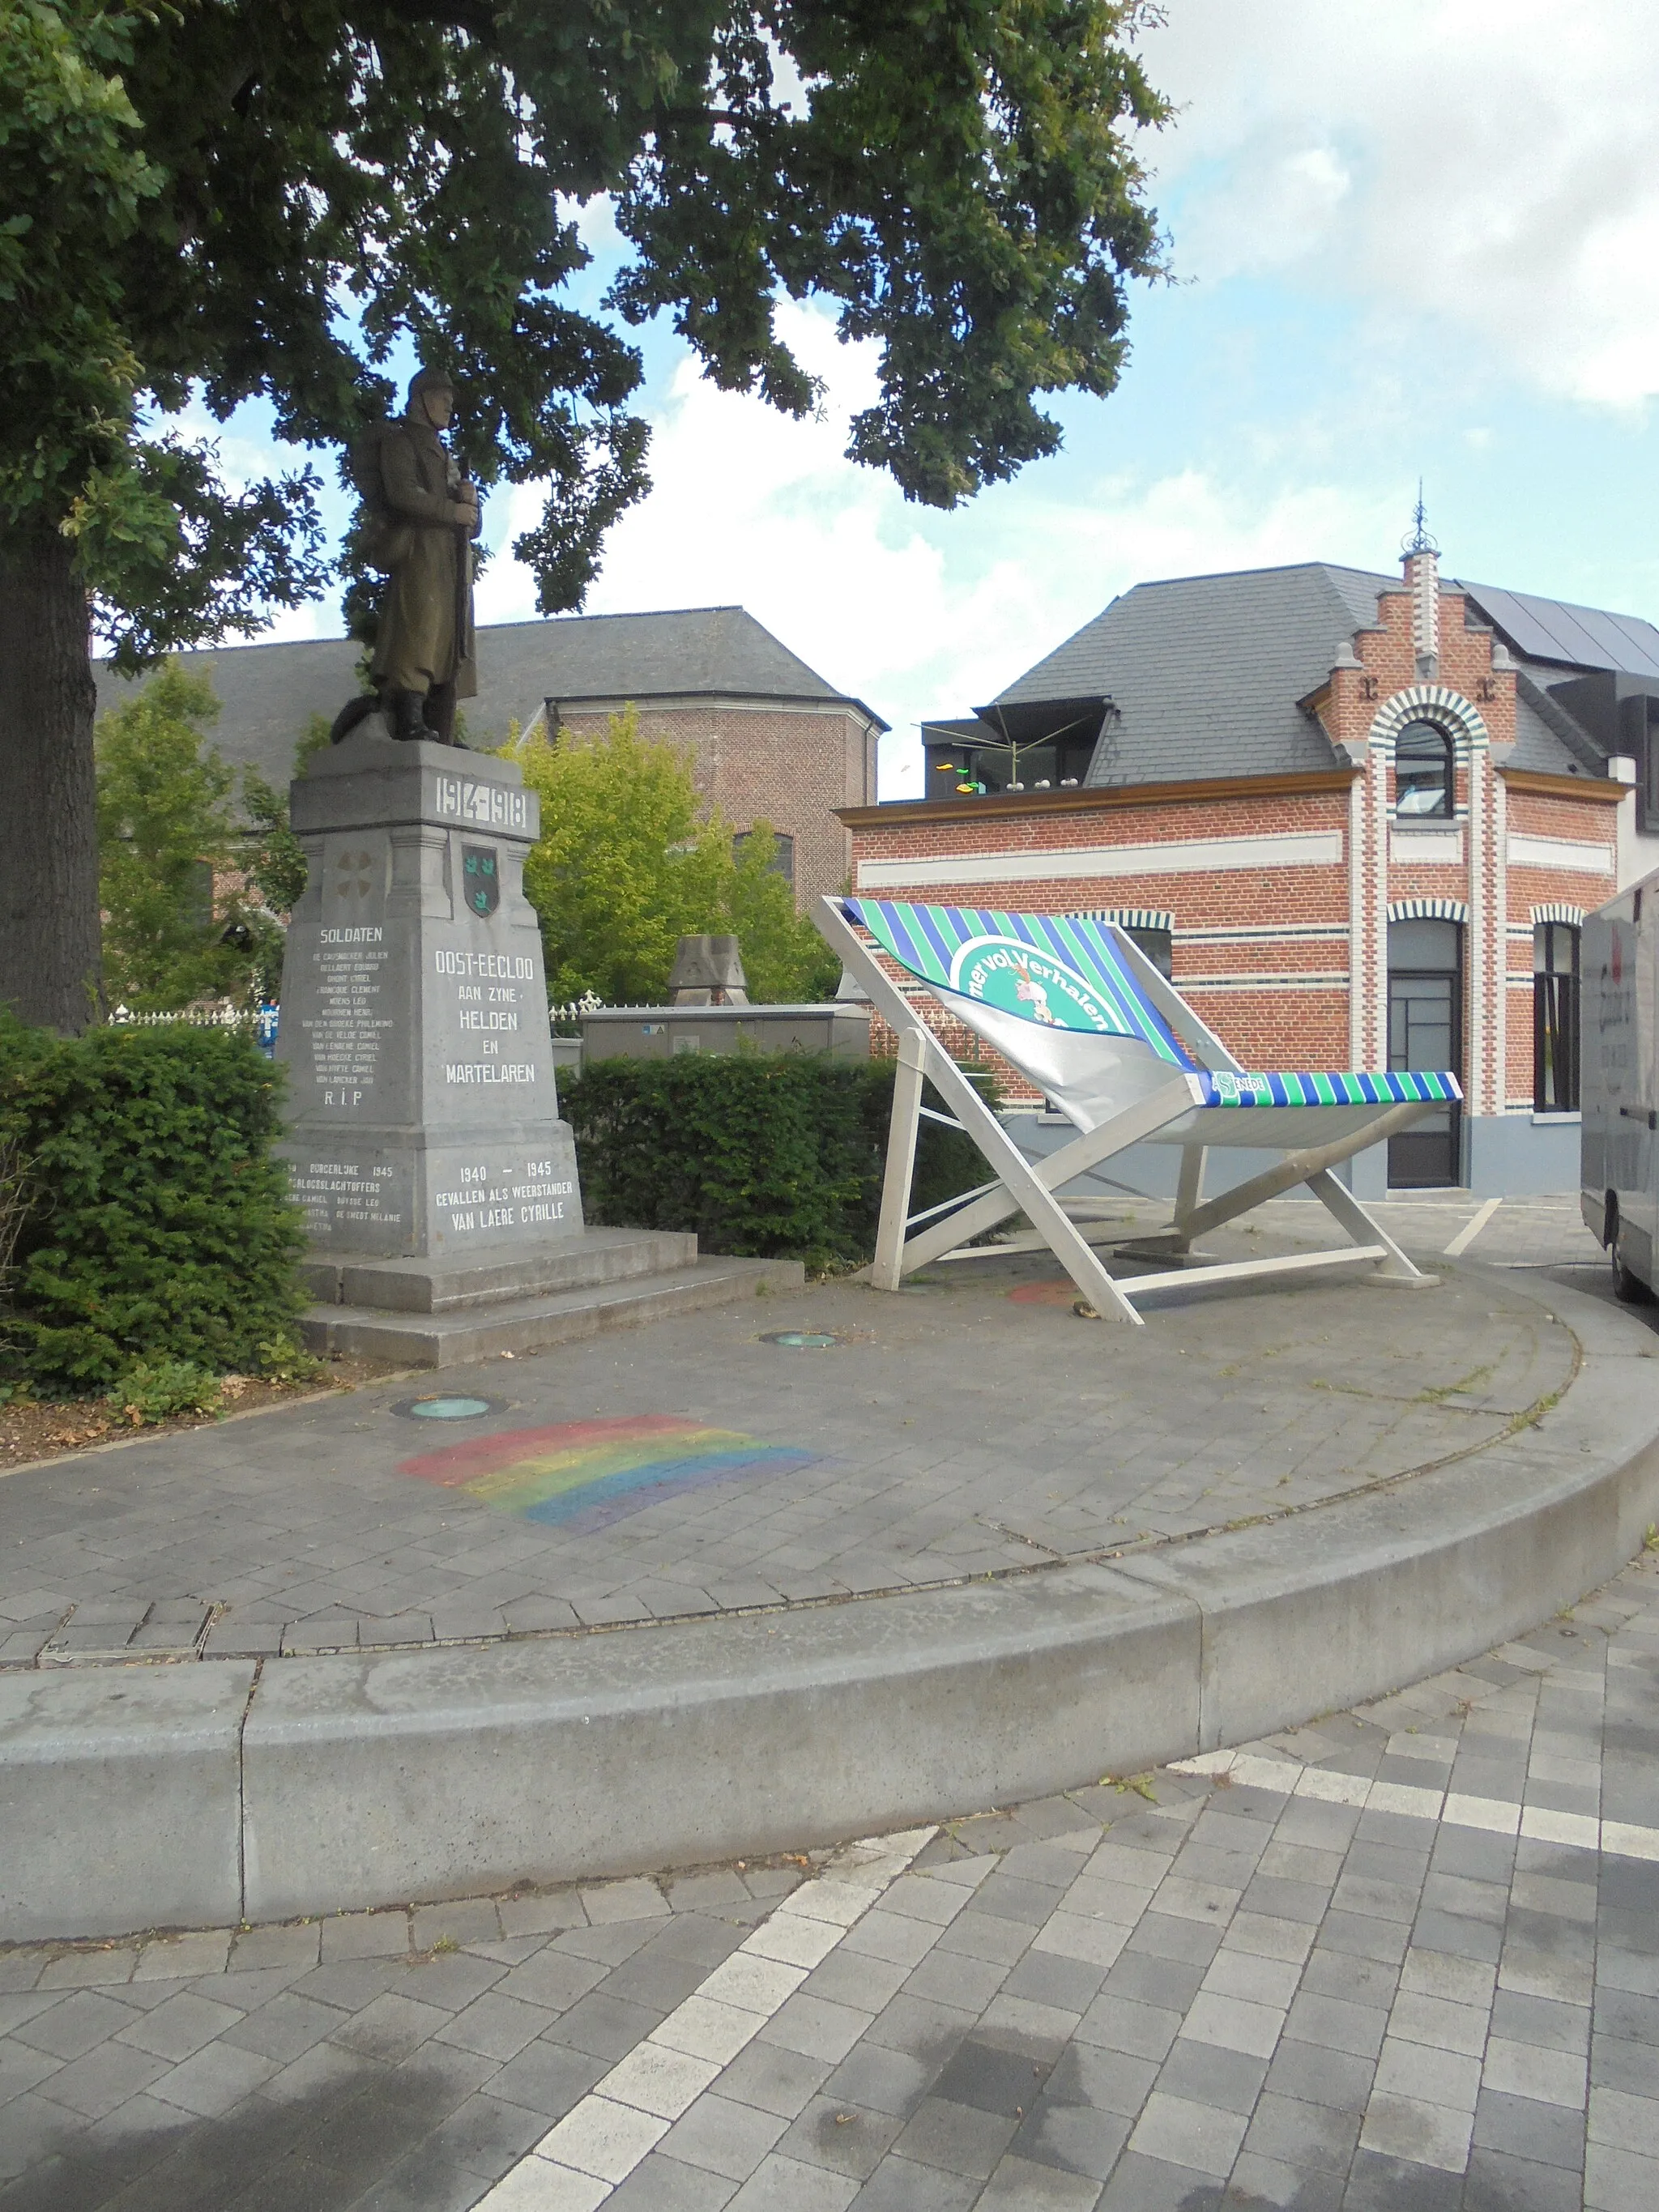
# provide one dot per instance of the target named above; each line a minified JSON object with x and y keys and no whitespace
{"x":428,"y":379}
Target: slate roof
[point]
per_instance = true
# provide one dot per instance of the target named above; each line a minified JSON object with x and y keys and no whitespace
{"x":270,"y":692}
{"x":1203,"y":673}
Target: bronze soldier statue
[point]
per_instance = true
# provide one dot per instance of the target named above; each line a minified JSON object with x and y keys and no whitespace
{"x":420,"y":517}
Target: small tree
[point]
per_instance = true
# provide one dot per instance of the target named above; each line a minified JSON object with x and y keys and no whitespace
{"x":166,"y":828}
{"x":624,"y":868}
{"x":191,"y":896}
{"x":785,"y":960}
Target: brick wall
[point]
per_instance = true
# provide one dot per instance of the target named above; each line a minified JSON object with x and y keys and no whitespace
{"x":790,"y":765}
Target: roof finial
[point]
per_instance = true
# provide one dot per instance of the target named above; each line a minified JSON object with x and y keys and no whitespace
{"x":1420,"y":541}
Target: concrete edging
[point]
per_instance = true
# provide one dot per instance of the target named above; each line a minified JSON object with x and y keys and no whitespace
{"x":202,"y":1795}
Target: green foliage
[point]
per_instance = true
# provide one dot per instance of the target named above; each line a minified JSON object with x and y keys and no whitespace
{"x":156,"y":1389}
{"x":190,"y":189}
{"x":160,"y":1226}
{"x":166,"y":826}
{"x":784,"y":958}
{"x":625,"y":868}
{"x":770,"y":1156}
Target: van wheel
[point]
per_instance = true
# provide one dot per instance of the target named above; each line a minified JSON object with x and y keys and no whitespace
{"x":1630,"y":1290}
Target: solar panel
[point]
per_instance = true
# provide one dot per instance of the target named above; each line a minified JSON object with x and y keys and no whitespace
{"x":1555,"y":629}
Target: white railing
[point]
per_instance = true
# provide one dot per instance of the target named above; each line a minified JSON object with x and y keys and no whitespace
{"x":263,"y":1020}
{"x":194,"y":1017}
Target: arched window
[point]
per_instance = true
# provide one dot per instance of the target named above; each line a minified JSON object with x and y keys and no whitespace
{"x":1423,"y":784}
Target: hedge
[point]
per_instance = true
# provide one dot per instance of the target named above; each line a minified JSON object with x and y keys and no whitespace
{"x":156,"y":1222}
{"x":763,"y":1155}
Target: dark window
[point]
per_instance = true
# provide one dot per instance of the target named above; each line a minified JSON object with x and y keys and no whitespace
{"x":783,"y":852}
{"x":1555,"y":1017}
{"x":1422,"y":773}
{"x":1157,"y":944}
{"x":1425,"y":1031}
{"x":1054,"y":761}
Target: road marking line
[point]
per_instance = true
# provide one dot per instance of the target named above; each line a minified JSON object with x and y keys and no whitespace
{"x":584,"y":2157}
{"x":1497,"y":1816}
{"x":1467,"y":1235}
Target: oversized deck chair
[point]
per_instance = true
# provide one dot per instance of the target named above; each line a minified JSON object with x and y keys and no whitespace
{"x":1077,"y":1008}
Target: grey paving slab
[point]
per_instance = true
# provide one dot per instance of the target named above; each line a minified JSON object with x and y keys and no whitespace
{"x":1311,"y":2004}
{"x":302,"y":1532}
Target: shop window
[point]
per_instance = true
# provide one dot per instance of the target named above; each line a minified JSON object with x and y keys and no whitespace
{"x":1422,"y":773}
{"x":1555,"y":1017}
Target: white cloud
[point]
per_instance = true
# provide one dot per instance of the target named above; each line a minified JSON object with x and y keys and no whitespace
{"x":1475,"y":164}
{"x":917,"y":614}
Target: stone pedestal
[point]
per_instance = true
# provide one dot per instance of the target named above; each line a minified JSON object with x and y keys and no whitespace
{"x":424,"y":1111}
{"x":425,"y":1141}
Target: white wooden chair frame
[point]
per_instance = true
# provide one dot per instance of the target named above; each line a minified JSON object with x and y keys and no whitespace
{"x":1032,"y":1187}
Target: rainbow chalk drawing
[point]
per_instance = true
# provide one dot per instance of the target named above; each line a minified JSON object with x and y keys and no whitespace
{"x":584,"y":1476}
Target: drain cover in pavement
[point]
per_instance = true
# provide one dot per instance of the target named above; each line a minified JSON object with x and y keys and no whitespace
{"x":802,"y":1340}
{"x":446,"y":1409}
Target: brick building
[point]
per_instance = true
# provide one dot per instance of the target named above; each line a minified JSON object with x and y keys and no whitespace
{"x":1358,"y":820}
{"x":770,"y":740}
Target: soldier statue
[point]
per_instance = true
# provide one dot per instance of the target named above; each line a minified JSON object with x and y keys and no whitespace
{"x":419,"y":517}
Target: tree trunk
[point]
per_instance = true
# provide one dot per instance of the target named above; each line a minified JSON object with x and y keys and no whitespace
{"x":49,"y":963}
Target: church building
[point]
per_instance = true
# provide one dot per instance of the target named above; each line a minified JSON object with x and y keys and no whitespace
{"x":767,"y":738}
{"x":1358,"y":820}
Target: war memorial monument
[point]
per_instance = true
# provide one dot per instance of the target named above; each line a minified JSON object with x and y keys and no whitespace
{"x":439,"y":1183}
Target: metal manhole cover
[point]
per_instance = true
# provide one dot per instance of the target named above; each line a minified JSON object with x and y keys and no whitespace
{"x":458,"y":1408}
{"x":804,"y":1339}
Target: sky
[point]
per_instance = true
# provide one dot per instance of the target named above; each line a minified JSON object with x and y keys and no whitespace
{"x":1414,"y":240}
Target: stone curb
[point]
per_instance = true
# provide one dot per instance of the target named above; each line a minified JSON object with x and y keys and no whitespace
{"x":201,"y":1795}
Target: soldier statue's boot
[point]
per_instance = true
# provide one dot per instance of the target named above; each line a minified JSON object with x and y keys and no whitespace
{"x":408,"y":716}
{"x":440,"y":703}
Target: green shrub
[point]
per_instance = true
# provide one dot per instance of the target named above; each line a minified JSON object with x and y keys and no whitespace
{"x":770,"y":1156}
{"x":154,"y":1390}
{"x":158,"y":1226}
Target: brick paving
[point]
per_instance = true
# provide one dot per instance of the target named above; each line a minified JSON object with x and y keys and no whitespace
{"x":956,"y":1432}
{"x":1404,"y":1960}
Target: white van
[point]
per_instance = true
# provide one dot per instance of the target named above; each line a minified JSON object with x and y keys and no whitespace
{"x":1619,"y":1171}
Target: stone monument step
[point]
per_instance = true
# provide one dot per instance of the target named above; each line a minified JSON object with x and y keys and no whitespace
{"x":454,"y":1338}
{"x":441,"y":1285}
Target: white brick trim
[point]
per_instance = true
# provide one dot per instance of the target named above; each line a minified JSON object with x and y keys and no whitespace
{"x":1427,"y":702}
{"x":1569,"y":854}
{"x":1427,"y":910}
{"x":1302,"y":849}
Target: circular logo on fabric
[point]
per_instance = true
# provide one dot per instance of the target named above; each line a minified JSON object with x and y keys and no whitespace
{"x":1005,"y":972}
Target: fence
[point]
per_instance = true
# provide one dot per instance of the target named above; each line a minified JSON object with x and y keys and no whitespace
{"x":265,"y":1021}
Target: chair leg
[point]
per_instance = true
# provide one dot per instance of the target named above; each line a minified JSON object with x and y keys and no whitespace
{"x":1341,"y":1202}
{"x":902,"y":1133}
{"x":1189,"y":1193}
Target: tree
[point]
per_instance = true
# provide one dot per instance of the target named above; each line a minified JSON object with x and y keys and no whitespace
{"x":167,"y":837}
{"x":625,"y":868}
{"x":784,"y":958}
{"x":228,"y":199}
